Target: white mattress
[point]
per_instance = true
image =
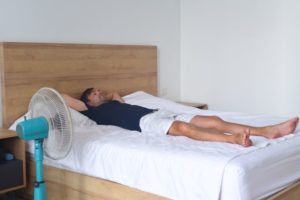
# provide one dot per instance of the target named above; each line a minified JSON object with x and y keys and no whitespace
{"x":181,"y":168}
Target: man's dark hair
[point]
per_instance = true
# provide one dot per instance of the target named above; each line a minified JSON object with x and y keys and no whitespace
{"x":86,"y":93}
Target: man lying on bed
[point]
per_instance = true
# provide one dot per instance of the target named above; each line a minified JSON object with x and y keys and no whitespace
{"x":110,"y":109}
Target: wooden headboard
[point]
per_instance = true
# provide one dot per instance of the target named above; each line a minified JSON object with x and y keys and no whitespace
{"x":70,"y":68}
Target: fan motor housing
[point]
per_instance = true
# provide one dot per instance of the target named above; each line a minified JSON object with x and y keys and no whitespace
{"x":32,"y":129}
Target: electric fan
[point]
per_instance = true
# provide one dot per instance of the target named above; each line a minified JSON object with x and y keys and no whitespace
{"x":50,"y":126}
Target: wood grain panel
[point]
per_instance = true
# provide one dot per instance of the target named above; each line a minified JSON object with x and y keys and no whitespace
{"x":67,"y":185}
{"x":70,"y":68}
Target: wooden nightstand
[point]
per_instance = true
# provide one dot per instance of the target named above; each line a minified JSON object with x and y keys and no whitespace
{"x":196,"y":105}
{"x":10,"y":142}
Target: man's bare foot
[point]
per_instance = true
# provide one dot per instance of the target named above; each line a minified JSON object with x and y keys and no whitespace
{"x":282,"y":129}
{"x":243,"y":138}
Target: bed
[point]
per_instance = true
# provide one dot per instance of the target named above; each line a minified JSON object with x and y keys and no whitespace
{"x":70,"y":68}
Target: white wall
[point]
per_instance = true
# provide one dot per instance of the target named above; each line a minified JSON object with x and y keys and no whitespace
{"x":292,"y":22}
{"x":152,"y":22}
{"x":241,"y":55}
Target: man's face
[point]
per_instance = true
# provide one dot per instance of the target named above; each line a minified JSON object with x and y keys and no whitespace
{"x":97,"y":97}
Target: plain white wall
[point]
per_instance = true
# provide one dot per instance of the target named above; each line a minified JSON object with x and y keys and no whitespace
{"x":152,"y":22}
{"x":292,"y":23}
{"x":241,"y":55}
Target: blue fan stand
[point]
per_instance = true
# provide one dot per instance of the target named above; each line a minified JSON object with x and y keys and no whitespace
{"x":36,"y":129}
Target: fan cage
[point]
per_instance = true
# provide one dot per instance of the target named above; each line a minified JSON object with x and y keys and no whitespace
{"x":48,"y":103}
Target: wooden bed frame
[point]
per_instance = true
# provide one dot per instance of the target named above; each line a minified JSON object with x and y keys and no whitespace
{"x":70,"y":68}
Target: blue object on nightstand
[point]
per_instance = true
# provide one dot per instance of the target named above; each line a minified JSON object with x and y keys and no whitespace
{"x":9,"y":156}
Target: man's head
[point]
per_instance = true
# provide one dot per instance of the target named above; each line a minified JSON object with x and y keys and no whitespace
{"x":93,"y":97}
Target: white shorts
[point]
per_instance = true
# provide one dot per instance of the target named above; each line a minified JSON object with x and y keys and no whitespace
{"x":159,"y":122}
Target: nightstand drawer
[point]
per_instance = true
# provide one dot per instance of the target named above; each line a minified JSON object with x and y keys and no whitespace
{"x":11,"y":173}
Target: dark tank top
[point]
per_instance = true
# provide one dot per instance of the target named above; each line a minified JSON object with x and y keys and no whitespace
{"x":118,"y":114}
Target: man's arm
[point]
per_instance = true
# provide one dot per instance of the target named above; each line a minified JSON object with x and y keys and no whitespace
{"x":74,"y":103}
{"x":115,"y":96}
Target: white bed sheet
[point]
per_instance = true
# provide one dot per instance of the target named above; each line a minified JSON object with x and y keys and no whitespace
{"x":261,"y":173}
{"x":181,"y":168}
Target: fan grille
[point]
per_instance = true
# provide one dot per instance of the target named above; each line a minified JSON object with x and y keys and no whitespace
{"x":48,"y":103}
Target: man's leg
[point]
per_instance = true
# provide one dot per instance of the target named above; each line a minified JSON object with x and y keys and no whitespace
{"x":179,"y":128}
{"x":274,"y":131}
